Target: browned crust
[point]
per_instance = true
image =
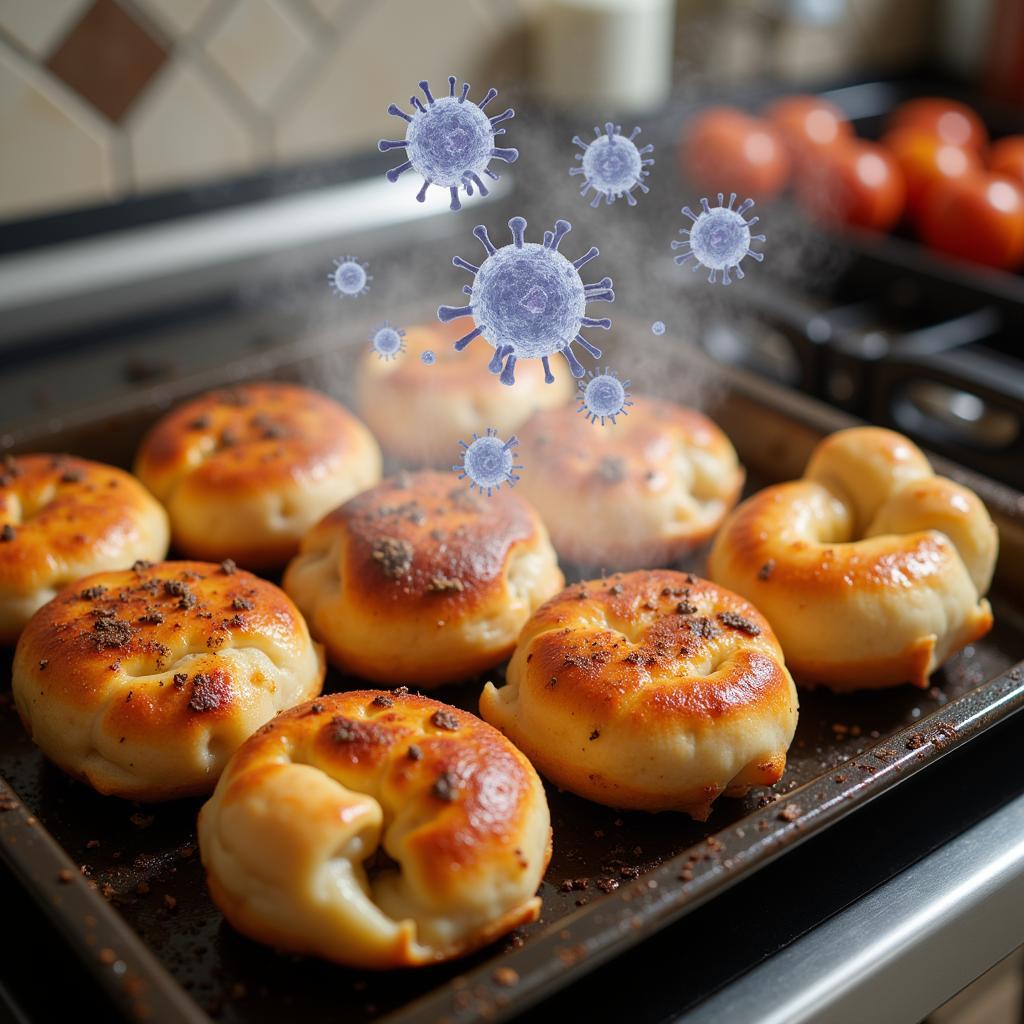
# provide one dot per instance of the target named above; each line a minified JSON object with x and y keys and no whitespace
{"x":366,"y":735}
{"x":59,"y":507}
{"x":142,"y":621}
{"x":422,"y":543}
{"x":669,"y":618}
{"x":249,"y":438}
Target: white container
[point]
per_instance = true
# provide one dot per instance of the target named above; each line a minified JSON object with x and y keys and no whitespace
{"x":607,"y":55}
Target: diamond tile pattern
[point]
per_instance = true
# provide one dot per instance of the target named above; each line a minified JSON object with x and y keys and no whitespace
{"x":108,"y":58}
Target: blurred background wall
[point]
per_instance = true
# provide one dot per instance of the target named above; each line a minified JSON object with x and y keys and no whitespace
{"x":100,"y":99}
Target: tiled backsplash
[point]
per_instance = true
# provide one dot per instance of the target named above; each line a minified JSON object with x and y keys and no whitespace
{"x":103,"y":98}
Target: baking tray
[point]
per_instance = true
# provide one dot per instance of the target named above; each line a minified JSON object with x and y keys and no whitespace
{"x":124,"y":885}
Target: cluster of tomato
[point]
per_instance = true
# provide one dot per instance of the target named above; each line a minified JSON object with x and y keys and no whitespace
{"x":934,"y":168}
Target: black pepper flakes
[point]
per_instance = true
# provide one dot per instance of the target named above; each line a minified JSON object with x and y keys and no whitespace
{"x":179,"y":679}
{"x":141,"y":565}
{"x":414,"y":753}
{"x":43,"y":662}
{"x":382,"y":700}
{"x":111,"y":633}
{"x":152,"y":617}
{"x":596,"y":734}
{"x":92,"y":593}
{"x":446,"y":787}
{"x":734,"y":621}
{"x":442,"y":719}
{"x":685,"y":608}
{"x":766,"y":570}
{"x":241,"y":604}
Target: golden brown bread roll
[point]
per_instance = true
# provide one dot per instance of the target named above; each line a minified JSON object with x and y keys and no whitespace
{"x":144,"y":682}
{"x":871,"y":569}
{"x":245,"y":471}
{"x":650,"y":690}
{"x":290,"y":837}
{"x":417,"y":580}
{"x":641,"y":493}
{"x":62,"y":518}
{"x":420,"y":412}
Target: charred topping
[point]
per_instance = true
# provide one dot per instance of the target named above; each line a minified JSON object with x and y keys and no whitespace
{"x":766,"y":570}
{"x":685,"y":608}
{"x":439,"y":583}
{"x":350,"y":730}
{"x":176,"y":588}
{"x":152,"y":616}
{"x":382,"y":700}
{"x":596,"y":734}
{"x":228,"y":567}
{"x":414,"y":753}
{"x":179,"y":679}
{"x":446,"y":787}
{"x":442,"y":719}
{"x":611,"y":469}
{"x":208,"y":692}
{"x":7,"y":533}
{"x":734,"y":621}
{"x":241,"y":604}
{"x":393,"y":555}
{"x":109,"y":633}
{"x":92,"y":593}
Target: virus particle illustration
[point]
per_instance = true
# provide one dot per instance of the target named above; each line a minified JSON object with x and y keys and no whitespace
{"x":349,"y":278}
{"x":387,"y":341}
{"x":529,"y":301}
{"x":720,"y":237}
{"x":658,"y":327}
{"x":603,"y":396}
{"x":450,"y":141}
{"x":429,"y":357}
{"x":612,"y":165}
{"x":488,"y":462}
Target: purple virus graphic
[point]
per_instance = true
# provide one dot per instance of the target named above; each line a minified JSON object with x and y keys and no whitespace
{"x":349,"y":278}
{"x":429,"y":357}
{"x":529,"y":301}
{"x":450,"y":141}
{"x":488,"y":462}
{"x":387,"y":341}
{"x":612,"y":165}
{"x":720,"y":238}
{"x":603,"y":396}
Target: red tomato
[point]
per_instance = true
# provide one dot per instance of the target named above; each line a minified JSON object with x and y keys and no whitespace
{"x":857,"y":182}
{"x":725,"y":150}
{"x":1007,"y":157}
{"x":926,"y":160}
{"x":809,"y":124}
{"x":978,"y":218}
{"x":952,"y":122}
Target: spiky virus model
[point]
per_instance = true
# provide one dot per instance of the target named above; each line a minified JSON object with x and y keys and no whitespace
{"x":603,"y":396}
{"x":349,"y":278}
{"x":450,"y":141}
{"x":612,"y":165}
{"x":387,"y":341}
{"x":529,"y":301}
{"x":720,"y":237}
{"x":488,"y":462}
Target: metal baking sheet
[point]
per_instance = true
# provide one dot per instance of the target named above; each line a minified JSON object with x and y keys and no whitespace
{"x":124,"y":884}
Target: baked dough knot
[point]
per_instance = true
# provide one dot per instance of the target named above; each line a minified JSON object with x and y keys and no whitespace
{"x":377,"y":829}
{"x":653,"y":690}
{"x":871,"y":569}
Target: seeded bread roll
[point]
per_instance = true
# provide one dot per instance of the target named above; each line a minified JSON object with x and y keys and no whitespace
{"x":245,"y":472}
{"x":315,"y":797}
{"x":871,"y":569}
{"x":420,"y":581}
{"x":640,"y":493}
{"x":651,"y":690}
{"x":62,"y":518}
{"x":144,"y":682}
{"x":420,"y":412}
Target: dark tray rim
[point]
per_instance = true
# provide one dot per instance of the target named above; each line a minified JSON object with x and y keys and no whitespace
{"x":141,"y":987}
